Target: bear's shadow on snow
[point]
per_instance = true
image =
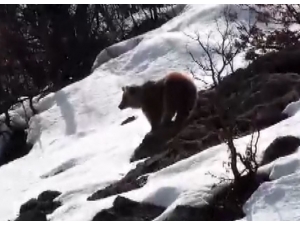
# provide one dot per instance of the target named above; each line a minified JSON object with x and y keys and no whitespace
{"x":67,"y":111}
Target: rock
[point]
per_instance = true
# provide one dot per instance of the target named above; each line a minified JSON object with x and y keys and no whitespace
{"x":48,"y":195}
{"x":205,"y":213}
{"x":266,"y":119}
{"x":32,"y":215}
{"x":37,"y":209}
{"x":124,"y":205}
{"x":281,"y":146}
{"x":48,"y":206}
{"x":128,"y":120}
{"x":126,"y":209}
{"x":29,"y":205}
{"x":105,"y":215}
{"x":124,"y":185}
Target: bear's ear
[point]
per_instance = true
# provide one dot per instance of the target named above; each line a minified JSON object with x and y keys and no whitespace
{"x":124,"y":88}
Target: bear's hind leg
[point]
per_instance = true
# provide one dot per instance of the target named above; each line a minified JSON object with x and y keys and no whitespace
{"x":181,"y":116}
{"x":186,"y":108}
{"x":167,"y":118}
{"x":168,"y":110}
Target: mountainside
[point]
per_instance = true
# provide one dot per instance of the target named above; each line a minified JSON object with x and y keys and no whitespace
{"x":81,"y":148}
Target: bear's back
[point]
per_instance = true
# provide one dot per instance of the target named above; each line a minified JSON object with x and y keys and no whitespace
{"x":178,"y":77}
{"x":181,"y":89}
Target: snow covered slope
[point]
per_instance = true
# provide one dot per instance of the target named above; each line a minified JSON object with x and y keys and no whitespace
{"x":80,"y":147}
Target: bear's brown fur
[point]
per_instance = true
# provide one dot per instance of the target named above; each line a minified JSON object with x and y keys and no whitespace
{"x":161,"y":99}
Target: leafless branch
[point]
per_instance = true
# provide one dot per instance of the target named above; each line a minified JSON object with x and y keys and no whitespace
{"x":226,"y":50}
{"x":197,"y":77}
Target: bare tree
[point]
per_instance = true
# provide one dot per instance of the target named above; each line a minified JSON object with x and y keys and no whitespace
{"x":217,"y":62}
{"x":226,"y":50}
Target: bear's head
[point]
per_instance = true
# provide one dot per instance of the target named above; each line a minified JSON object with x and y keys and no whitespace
{"x":132,"y":97}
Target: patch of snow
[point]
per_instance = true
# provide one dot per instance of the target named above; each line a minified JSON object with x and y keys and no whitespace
{"x":285,"y":166}
{"x":292,"y":108}
{"x":276,"y":200}
{"x":122,"y":47}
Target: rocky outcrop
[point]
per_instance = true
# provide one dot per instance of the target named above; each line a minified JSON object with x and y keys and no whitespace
{"x":37,"y":209}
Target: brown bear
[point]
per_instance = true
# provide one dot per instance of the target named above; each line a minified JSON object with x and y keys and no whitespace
{"x":160,"y":100}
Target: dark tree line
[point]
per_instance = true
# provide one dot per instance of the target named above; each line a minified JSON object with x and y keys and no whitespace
{"x":50,"y":46}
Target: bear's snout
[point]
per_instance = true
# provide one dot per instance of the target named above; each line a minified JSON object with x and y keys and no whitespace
{"x":121,"y":106}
